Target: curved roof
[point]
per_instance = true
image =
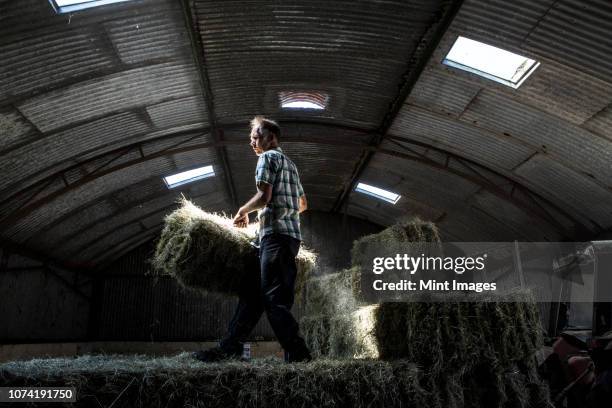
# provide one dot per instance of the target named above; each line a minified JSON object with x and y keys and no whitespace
{"x":98,"y":105}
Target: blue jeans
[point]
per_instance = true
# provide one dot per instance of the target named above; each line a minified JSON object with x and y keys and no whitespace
{"x":271,"y":289}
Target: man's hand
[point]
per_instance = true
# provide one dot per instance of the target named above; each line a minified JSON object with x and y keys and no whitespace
{"x":241,"y":220}
{"x":259,"y":200}
{"x":303,"y":204}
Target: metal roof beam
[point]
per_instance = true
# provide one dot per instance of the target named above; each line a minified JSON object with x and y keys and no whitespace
{"x":25,"y":210}
{"x":436,"y":30}
{"x":200,"y":60}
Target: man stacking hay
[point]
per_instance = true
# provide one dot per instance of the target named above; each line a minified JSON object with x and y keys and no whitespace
{"x":205,"y":252}
{"x":280,"y":199}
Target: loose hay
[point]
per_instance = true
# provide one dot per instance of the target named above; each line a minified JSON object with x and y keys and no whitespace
{"x":204,"y":251}
{"x":181,"y":381}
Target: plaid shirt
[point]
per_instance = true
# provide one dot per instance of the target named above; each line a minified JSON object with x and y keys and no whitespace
{"x":281,"y":214}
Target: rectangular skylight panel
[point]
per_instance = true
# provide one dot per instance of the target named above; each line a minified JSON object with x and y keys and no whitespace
{"x":189,"y":176}
{"x":379,"y":193}
{"x":490,"y":62}
{"x":68,"y":6}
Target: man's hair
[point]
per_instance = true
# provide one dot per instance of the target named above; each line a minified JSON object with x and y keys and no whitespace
{"x":259,"y":124}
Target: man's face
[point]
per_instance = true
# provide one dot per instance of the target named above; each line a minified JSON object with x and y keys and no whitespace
{"x":260,"y":143}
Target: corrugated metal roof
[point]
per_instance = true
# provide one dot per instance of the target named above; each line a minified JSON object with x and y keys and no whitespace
{"x":577,"y":33}
{"x":571,"y":145}
{"x":442,"y":92}
{"x":494,"y":151}
{"x":14,"y":129}
{"x":35,"y":63}
{"x":75,"y":222}
{"x":601,"y":123}
{"x":522,"y":225}
{"x":88,"y":192}
{"x":179,"y":112}
{"x":560,"y":183}
{"x":61,"y":146}
{"x":356,"y":54}
{"x":74,"y":89}
{"x":149,"y":36}
{"x":130,"y":89}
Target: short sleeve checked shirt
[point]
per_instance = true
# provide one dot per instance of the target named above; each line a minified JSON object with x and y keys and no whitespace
{"x":281,"y":214}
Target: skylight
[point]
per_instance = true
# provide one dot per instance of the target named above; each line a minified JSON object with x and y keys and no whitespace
{"x":68,"y":6}
{"x":303,"y":100}
{"x":189,"y":176}
{"x":379,"y":193}
{"x":490,"y":62}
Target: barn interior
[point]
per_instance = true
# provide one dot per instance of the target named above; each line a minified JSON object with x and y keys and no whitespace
{"x":102,"y":100}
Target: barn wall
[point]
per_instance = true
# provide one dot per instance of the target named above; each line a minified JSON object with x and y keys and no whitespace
{"x":132,"y":306}
{"x":37,"y":304}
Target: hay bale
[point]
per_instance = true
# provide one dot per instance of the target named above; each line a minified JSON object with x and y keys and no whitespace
{"x":452,"y":334}
{"x":204,"y":251}
{"x":330,"y":294}
{"x":179,"y":381}
{"x":327,"y":323}
{"x":412,"y":236}
{"x":411,"y":230}
{"x":329,"y":335}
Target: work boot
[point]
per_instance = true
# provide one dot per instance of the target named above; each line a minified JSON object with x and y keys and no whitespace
{"x":216,"y":354}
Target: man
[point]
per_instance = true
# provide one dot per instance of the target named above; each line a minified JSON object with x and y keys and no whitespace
{"x":280,"y":199}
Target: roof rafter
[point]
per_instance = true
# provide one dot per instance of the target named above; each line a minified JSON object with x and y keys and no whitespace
{"x":200,"y":60}
{"x":436,"y":31}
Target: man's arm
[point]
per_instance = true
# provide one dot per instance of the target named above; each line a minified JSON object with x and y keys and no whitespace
{"x":303,"y":203}
{"x":259,"y":200}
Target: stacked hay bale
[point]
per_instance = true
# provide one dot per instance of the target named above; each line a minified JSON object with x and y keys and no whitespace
{"x":204,"y":251}
{"x":476,"y":352}
{"x":328,"y":324}
{"x":444,"y":331}
{"x":181,"y":381}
